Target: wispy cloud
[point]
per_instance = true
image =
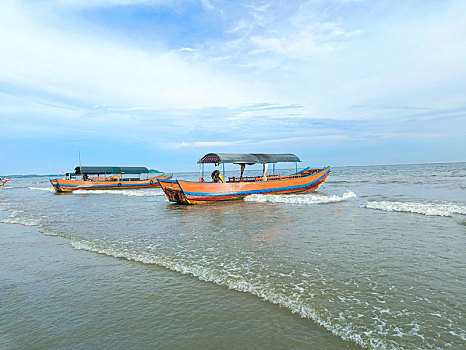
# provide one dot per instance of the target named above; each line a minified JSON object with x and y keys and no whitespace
{"x":207,"y":4}
{"x":101,"y":71}
{"x":204,"y":144}
{"x":190,"y":75}
{"x":310,"y":40}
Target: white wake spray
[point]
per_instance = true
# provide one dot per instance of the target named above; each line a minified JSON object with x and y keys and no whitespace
{"x":47,"y":189}
{"x":131,"y":193}
{"x":310,"y":198}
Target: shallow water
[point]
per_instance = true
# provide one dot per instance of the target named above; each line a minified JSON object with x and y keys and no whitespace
{"x":375,"y":259}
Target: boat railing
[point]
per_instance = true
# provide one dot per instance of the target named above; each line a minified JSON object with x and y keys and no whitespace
{"x":259,"y":178}
{"x":307,"y":172}
{"x":244,"y":179}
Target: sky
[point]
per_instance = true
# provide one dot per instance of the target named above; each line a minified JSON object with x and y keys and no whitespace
{"x":160,"y":83}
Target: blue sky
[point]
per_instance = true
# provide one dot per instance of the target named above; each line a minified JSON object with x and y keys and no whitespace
{"x":159,"y":83}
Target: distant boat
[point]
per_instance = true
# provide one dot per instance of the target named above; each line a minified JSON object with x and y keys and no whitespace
{"x":117,"y":180}
{"x":195,"y":192}
{"x":4,"y":181}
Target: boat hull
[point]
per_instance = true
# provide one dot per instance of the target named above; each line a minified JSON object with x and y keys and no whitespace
{"x":190,"y":192}
{"x":63,"y":185}
{"x":4,"y":181}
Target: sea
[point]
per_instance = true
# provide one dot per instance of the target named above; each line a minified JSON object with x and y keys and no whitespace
{"x":375,"y":259}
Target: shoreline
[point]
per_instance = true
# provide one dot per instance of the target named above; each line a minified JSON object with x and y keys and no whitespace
{"x":64,"y":297}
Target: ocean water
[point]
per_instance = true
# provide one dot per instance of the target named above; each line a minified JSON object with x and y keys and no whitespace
{"x":375,"y":259}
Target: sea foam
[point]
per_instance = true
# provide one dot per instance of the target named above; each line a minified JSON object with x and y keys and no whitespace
{"x":47,"y":189}
{"x":310,"y":198}
{"x":19,"y":217}
{"x":431,"y":209}
{"x":239,"y":283}
{"x":131,"y":193}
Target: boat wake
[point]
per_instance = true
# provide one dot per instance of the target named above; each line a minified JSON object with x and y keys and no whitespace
{"x":311,"y":198}
{"x":131,"y":193}
{"x":47,"y":189}
{"x":430,"y":209}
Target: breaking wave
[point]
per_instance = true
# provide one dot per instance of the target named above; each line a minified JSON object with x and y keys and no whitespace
{"x":20,"y":217}
{"x":431,"y":209}
{"x":299,"y":198}
{"x":132,"y":193}
{"x":238,"y":283}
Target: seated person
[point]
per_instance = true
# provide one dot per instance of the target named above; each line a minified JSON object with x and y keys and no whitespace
{"x":217,"y":177}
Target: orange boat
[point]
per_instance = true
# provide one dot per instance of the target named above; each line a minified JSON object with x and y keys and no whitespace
{"x":113,"y":182}
{"x":195,"y":192}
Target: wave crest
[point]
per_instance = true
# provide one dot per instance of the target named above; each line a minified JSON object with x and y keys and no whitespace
{"x":299,"y":198}
{"x":20,"y":217}
{"x":430,"y":209}
{"x":131,"y":193}
{"x":238,"y":283}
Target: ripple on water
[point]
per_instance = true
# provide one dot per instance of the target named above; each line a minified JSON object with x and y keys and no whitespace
{"x":367,"y":321}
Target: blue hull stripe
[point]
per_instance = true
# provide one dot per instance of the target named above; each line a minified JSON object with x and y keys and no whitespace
{"x":65,"y":186}
{"x":170,"y":181}
{"x":246,"y":193}
{"x":103,"y":186}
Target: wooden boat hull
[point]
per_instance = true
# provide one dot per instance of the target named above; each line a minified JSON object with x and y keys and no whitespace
{"x":4,"y":181}
{"x":63,"y":185}
{"x":191,"y":192}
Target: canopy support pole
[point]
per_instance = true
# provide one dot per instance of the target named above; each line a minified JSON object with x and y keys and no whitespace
{"x":273,"y":168}
{"x":223,"y":170}
{"x":202,"y":170}
{"x":296,"y":166}
{"x":242,"y":171}
{"x":264,"y":168}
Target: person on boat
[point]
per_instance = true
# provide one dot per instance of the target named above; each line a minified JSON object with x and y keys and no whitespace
{"x":217,"y":177}
{"x":85,"y":177}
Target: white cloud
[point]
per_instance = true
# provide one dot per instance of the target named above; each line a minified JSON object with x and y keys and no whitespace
{"x":37,"y":55}
{"x":200,"y":144}
{"x":207,"y":5}
{"x":271,"y":112}
{"x":298,"y":62}
{"x":106,"y":3}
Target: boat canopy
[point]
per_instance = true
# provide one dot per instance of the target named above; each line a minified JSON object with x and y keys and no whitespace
{"x":248,"y":158}
{"x":96,"y":170}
